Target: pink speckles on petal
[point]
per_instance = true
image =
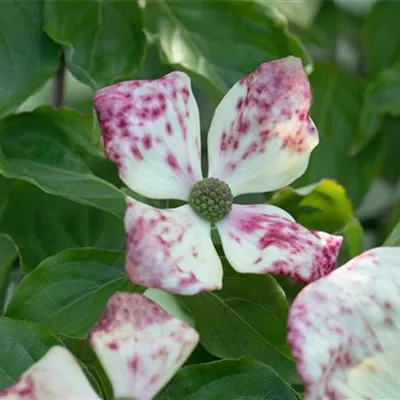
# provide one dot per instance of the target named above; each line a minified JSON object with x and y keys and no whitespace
{"x":170,"y":249}
{"x":147,"y":142}
{"x":265,"y":239}
{"x":261,"y":135}
{"x":143,"y":124}
{"x":345,"y":321}
{"x":326,"y":260}
{"x":151,"y":345}
{"x":136,"y":309}
{"x":57,"y":375}
{"x":173,"y":162}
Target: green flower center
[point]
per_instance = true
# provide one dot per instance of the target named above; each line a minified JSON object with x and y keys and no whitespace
{"x":211,"y":199}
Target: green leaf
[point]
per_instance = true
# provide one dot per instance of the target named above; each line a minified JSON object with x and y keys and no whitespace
{"x":356,"y":7}
{"x":28,"y":58}
{"x":6,"y":186}
{"x":389,"y":225}
{"x":334,"y":36}
{"x":103,"y":40}
{"x":325,"y":207}
{"x":383,"y":94}
{"x":68,"y":291}
{"x":51,"y":149}
{"x":390,"y":134}
{"x":246,"y":318}
{"x":394,"y":238}
{"x":219,"y":41}
{"x":22,"y":344}
{"x":228,"y":380}
{"x":8,"y":255}
{"x":322,"y":206}
{"x":301,"y":12}
{"x":42,"y":225}
{"x":352,"y":233}
{"x":382,"y":97}
{"x":337,"y":99}
{"x":382,"y":36}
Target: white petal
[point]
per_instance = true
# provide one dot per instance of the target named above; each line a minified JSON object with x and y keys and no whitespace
{"x":261,"y":136}
{"x":265,"y":239}
{"x":57,"y":375}
{"x":139,"y":345}
{"x":376,"y":378}
{"x":345,"y":322}
{"x":170,"y":249}
{"x":151,"y":131}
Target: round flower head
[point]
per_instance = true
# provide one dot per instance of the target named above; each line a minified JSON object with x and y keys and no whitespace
{"x":260,"y":140}
{"x":344,"y":330}
{"x":139,"y":345}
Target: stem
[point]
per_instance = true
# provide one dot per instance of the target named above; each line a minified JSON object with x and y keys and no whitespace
{"x":59,"y":84}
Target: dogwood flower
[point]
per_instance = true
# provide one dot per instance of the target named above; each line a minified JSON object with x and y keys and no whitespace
{"x":260,"y":140}
{"x":344,"y":330}
{"x":139,"y":345}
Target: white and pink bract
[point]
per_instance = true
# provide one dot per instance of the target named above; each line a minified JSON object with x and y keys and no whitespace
{"x":260,"y":140}
{"x":139,"y":345}
{"x":344,"y":330}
